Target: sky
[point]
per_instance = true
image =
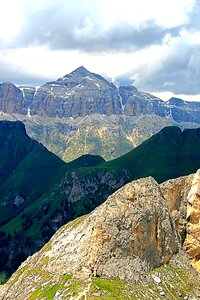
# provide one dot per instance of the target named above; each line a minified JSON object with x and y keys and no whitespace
{"x":154,"y":45}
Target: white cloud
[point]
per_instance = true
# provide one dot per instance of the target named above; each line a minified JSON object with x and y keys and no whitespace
{"x":168,"y":14}
{"x":167,"y":95}
{"x":11,"y":19}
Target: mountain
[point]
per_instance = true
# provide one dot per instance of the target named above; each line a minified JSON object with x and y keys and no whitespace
{"x":85,"y":184}
{"x":83,"y":93}
{"x":107,"y":136}
{"x":83,"y":113}
{"x":127,"y":248}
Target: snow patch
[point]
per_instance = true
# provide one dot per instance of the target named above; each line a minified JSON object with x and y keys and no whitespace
{"x":91,"y":79}
{"x":23,"y":93}
{"x":36,"y":89}
{"x":169,"y":115}
{"x":98,"y":85}
{"x":122,"y":105}
{"x":29,"y":113}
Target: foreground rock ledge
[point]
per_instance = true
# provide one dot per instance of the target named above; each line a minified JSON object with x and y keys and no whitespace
{"x":130,"y":233}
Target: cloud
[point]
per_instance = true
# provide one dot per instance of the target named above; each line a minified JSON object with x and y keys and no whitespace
{"x":175,"y":66}
{"x":98,"y":26}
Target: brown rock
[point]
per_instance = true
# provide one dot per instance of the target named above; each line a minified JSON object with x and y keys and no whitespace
{"x":175,"y":192}
{"x":192,"y":241}
{"x":183,"y":198}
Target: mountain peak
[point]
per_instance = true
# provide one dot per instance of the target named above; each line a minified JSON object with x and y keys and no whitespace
{"x":82,"y":71}
{"x":79,"y":72}
{"x":176,"y":101}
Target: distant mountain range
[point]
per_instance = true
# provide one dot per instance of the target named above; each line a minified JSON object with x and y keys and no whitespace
{"x":82,"y":93}
{"x":39,"y":192}
{"x":83,"y":113}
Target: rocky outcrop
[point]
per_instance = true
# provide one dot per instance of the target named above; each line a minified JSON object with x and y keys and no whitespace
{"x":76,"y":187}
{"x":11,"y":99}
{"x":131,"y":230}
{"x":134,"y":230}
{"x":182,"y":196}
{"x":192,"y":241}
{"x":175,"y":191}
{"x":132,"y":226}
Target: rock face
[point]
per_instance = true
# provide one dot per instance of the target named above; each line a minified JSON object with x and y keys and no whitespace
{"x":192,"y":241}
{"x":134,"y":230}
{"x":107,"y":136}
{"x":182,"y":195}
{"x":83,"y":93}
{"x":175,"y":191}
{"x":11,"y":99}
{"x":133,"y":227}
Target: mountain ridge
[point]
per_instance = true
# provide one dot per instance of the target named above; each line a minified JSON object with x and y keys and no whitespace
{"x":66,"y":97}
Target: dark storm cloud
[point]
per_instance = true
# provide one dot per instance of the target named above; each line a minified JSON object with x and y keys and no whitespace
{"x":77,"y":29}
{"x":180,"y":72}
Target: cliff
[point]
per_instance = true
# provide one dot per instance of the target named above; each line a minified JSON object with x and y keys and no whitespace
{"x":115,"y":251}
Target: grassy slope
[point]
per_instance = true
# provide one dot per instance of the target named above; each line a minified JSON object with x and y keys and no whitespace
{"x":168,"y":154}
{"x":29,"y":170}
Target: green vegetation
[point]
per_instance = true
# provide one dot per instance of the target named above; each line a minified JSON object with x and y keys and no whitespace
{"x":175,"y":283}
{"x":3,"y":277}
{"x":168,"y":154}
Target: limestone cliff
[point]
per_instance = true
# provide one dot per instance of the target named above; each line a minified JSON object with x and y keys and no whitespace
{"x":182,"y":196}
{"x":110,"y":253}
{"x":192,"y":241}
{"x":132,"y":226}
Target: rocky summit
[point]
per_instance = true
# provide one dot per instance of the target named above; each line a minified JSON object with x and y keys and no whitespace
{"x":130,"y":247}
